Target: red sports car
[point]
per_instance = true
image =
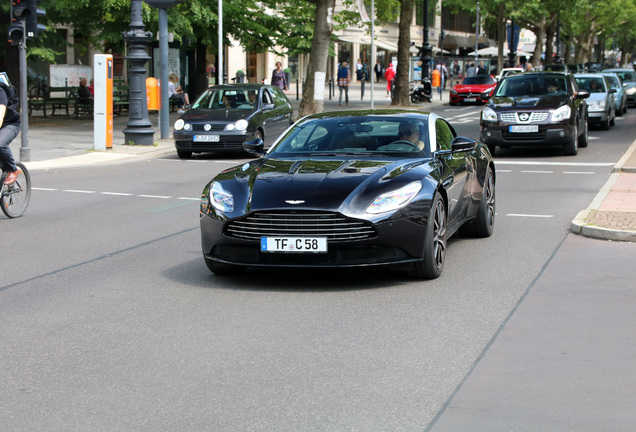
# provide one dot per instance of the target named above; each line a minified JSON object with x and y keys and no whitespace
{"x":471,"y":88}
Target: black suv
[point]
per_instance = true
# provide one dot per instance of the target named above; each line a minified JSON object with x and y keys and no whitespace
{"x":536,"y":109}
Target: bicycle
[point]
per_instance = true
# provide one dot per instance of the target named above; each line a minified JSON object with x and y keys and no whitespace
{"x":14,"y":198}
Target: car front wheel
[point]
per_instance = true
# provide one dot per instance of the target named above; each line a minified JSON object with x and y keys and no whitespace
{"x":434,"y":242}
{"x":571,"y":148}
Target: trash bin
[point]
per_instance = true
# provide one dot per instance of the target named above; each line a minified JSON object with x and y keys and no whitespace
{"x":152,"y":94}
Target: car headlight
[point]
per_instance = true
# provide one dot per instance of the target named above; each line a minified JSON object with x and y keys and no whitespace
{"x":454,"y":92}
{"x":488,"y":114}
{"x":221,"y":199}
{"x":178,"y":125}
{"x":241,"y":125}
{"x":631,"y":91}
{"x":562,"y":113}
{"x":395,"y":199}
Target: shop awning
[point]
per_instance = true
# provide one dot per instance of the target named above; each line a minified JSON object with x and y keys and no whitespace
{"x":365,"y":40}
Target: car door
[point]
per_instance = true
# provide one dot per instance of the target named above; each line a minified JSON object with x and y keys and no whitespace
{"x":277,"y":113}
{"x":456,"y":172}
{"x":580,"y":106}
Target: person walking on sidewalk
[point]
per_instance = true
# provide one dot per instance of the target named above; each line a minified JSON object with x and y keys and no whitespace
{"x":378,"y":70}
{"x":279,"y":79}
{"x":364,"y":77}
{"x":9,"y":129}
{"x":344,"y":78}
{"x":390,"y":76}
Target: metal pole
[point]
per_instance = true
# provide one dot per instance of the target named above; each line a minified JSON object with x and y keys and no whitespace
{"x":372,"y":65}
{"x":477,"y":35}
{"x":25,"y":151}
{"x":425,"y":56}
{"x":220,"y":43}
{"x":164,"y":110}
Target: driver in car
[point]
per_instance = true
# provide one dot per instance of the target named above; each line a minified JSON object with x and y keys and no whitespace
{"x":409,"y":131}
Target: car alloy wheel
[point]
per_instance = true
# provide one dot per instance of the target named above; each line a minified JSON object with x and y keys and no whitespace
{"x":432,"y":264}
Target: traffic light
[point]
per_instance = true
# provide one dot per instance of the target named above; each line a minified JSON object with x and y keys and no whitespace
{"x":33,"y":29}
{"x":18,"y":14}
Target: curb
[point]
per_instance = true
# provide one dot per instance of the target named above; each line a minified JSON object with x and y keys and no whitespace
{"x":581,"y":227}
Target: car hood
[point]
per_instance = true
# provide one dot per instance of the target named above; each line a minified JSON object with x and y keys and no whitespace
{"x":473,"y":87}
{"x":208,"y":115}
{"x":596,"y":97}
{"x":320,"y":183}
{"x":537,"y":102}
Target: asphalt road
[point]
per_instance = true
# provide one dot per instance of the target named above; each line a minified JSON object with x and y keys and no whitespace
{"x":111,"y":320}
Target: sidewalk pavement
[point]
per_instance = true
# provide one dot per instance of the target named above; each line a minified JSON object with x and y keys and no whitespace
{"x":60,"y":142}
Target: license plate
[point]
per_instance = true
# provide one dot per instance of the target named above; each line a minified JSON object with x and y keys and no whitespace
{"x":524,"y":129}
{"x":294,"y":244}
{"x":206,"y":138}
{"x":470,"y":100}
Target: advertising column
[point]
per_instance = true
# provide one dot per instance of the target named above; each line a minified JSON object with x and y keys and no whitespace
{"x":103,"y":102}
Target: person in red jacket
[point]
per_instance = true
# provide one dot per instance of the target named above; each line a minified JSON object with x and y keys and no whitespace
{"x":390,"y":76}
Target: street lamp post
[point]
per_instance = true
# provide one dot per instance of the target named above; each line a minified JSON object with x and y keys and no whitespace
{"x":139,"y":129}
{"x":425,"y":51}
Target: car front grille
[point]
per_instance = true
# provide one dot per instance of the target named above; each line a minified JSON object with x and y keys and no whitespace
{"x":333,"y":226}
{"x":213,"y":127}
{"x":514,"y":117}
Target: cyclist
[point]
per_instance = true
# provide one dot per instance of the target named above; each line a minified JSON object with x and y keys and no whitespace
{"x":10,"y":121}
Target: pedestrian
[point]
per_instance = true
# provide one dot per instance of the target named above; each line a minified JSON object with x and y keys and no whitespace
{"x":364,"y":77}
{"x":389,"y":74}
{"x":378,"y":70}
{"x":91,"y":87}
{"x":279,"y":78}
{"x":9,"y":129}
{"x":176,"y":93}
{"x":471,"y":70}
{"x":344,"y":78}
{"x":359,"y":70}
{"x":444,"y":75}
{"x":481,"y":70}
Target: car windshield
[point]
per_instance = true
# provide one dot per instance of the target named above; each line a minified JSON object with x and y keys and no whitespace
{"x":242,"y":99}
{"x":591,"y":84}
{"x":531,"y":85}
{"x":478,"y":79}
{"x":613,"y":81}
{"x":627,"y":75}
{"x":356,"y":135}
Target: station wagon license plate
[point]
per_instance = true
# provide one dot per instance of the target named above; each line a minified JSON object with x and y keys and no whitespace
{"x":294,"y":244}
{"x":524,"y":129}
{"x":206,"y":138}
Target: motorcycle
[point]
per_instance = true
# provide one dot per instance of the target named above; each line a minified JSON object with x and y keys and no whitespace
{"x":422,"y":92}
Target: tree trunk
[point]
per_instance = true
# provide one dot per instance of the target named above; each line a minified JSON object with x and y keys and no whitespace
{"x":201,"y":79}
{"x":549,"y":43}
{"x":538,"y":48}
{"x":312,"y":103}
{"x":401,"y":90}
{"x":501,"y":35}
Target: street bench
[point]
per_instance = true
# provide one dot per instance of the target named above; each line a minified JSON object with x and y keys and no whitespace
{"x":120,"y":98}
{"x":53,"y":98}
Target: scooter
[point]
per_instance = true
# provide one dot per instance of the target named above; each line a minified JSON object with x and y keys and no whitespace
{"x":422,"y":92}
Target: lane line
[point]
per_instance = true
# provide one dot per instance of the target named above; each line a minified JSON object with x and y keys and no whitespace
{"x":537,"y":172}
{"x":79,"y":191}
{"x":155,"y":196}
{"x":547,"y":163}
{"x":528,"y":215}
{"x":579,"y":172}
{"x":116,"y":193}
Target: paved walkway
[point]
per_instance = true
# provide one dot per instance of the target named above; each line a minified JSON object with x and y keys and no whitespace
{"x":610,"y":216}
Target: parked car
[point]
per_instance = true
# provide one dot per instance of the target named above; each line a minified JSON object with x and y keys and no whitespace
{"x":470,"y":88}
{"x":225,"y":116}
{"x":350,"y":189}
{"x":508,"y":71}
{"x":536,"y":109}
{"x":629,"y":77}
{"x":621,"y":96}
{"x":555,"y":68}
{"x":593,"y":67}
{"x":601,"y":107}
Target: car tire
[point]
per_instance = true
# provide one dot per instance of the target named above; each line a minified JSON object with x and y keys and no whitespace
{"x":605,"y":125}
{"x":484,"y":222}
{"x":583,"y":138}
{"x":571,"y":148}
{"x":432,"y":264}
{"x":223,"y":269}
{"x":613,"y":121}
{"x":184,"y":154}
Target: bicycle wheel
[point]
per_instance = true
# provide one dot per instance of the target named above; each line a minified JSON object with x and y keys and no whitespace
{"x":15,"y":197}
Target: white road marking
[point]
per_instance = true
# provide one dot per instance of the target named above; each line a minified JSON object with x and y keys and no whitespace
{"x":43,"y":189}
{"x":155,"y":196}
{"x":528,"y":215}
{"x":538,"y":172}
{"x":116,"y":193}
{"x":79,"y":191}
{"x":579,"y":172}
{"x":569,"y":164}
{"x":503,"y":171}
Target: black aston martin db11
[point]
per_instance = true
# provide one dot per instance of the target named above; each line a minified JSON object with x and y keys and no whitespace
{"x":350,"y":189}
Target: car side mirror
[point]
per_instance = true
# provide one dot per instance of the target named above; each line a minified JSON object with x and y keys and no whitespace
{"x":612,"y":90}
{"x":255,"y":147}
{"x":582,"y":94}
{"x":463,"y":144}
